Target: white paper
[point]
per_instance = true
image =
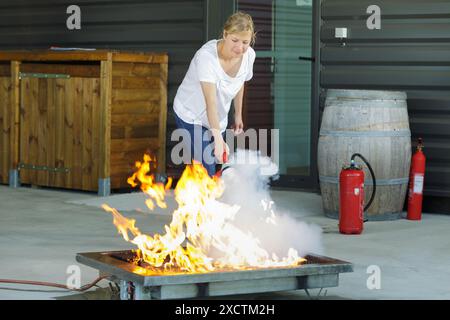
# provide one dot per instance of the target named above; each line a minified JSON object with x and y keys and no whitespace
{"x":418,"y":183}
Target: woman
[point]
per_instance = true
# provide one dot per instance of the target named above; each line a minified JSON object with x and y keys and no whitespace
{"x":215,"y":77}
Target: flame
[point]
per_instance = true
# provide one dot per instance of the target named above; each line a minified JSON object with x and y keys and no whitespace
{"x":155,"y":191}
{"x":201,"y":227}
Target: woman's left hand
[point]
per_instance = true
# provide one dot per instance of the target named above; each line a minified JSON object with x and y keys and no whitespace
{"x":238,"y":125}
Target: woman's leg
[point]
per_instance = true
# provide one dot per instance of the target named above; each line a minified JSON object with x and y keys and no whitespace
{"x":199,"y":141}
{"x":208,"y":159}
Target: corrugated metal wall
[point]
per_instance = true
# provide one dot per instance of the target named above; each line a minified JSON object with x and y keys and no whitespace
{"x":411,"y":53}
{"x":177,"y":27}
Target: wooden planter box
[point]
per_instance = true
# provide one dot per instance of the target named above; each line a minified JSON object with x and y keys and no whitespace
{"x":80,"y":119}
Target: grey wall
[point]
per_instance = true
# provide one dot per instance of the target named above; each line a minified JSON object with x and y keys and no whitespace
{"x":178,"y":27}
{"x":410,"y":53}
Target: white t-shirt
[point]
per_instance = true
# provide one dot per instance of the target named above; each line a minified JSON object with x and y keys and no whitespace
{"x":189,"y":103}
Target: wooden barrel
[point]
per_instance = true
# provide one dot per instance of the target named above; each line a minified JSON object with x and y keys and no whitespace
{"x":374,"y":124}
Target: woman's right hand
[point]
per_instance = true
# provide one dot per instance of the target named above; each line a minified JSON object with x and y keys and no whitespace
{"x":219,"y":148}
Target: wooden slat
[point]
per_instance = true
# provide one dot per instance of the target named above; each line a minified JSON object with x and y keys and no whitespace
{"x":126,"y":145}
{"x":46,"y":55}
{"x":41,"y":126}
{"x":135,"y":70}
{"x":135,"y":95}
{"x":60,"y":101}
{"x":87,"y":71}
{"x":95,"y":121}
{"x":25,"y":122}
{"x":135,"y":83}
{"x":15,"y":110}
{"x":5,"y":128}
{"x":128,"y":156}
{"x":34,"y":127}
{"x":117,"y":132}
{"x":3,"y":135}
{"x":150,"y":130}
{"x":51,"y":133}
{"x":105,"y":118}
{"x":140,"y":57}
{"x":135,"y":131}
{"x":137,"y":107}
{"x":136,"y":119}
{"x":124,"y":169}
{"x":68,"y":132}
{"x":86,"y":142}
{"x":162,"y":119}
{"x":119,"y":180}
{"x":77,"y":155}
{"x":5,"y":70}
{"x":97,"y":55}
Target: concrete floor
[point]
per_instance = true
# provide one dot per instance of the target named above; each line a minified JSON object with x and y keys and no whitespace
{"x":41,"y":230}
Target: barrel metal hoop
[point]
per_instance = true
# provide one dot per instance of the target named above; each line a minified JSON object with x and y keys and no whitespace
{"x":357,"y":103}
{"x":394,"y":133}
{"x":371,"y":217}
{"x":361,"y":99}
{"x":366,"y":94}
{"x":379,"y":182}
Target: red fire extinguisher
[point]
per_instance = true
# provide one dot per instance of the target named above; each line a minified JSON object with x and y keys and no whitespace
{"x":416,"y":178}
{"x":222,"y":166}
{"x":351,"y":197}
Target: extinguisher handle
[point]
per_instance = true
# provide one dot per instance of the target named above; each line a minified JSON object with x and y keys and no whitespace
{"x":419,"y":144}
{"x":374,"y":185}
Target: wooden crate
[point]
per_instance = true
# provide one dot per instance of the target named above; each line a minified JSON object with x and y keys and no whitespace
{"x":5,"y":121}
{"x":81,"y":119}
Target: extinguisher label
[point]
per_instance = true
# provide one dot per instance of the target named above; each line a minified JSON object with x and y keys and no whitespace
{"x":356,"y":191}
{"x":418,"y":183}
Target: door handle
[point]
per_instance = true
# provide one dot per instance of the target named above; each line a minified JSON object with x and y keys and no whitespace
{"x":307,"y":59}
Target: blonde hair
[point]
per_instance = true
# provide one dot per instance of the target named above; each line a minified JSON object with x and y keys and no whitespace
{"x":240,"y":22}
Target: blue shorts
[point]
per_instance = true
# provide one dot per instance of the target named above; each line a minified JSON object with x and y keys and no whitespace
{"x":205,"y":140}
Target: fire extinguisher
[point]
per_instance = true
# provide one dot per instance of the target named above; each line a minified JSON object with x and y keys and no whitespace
{"x":223,"y":166}
{"x":416,"y":178}
{"x":351,"y":197}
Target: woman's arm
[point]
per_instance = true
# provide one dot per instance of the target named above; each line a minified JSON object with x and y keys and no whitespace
{"x":238,"y":100}
{"x":209,"y":92}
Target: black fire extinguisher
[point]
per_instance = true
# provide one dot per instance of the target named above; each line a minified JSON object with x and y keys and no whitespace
{"x":351,"y":197}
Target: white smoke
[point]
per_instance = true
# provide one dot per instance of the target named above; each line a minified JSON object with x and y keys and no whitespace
{"x":247,"y":185}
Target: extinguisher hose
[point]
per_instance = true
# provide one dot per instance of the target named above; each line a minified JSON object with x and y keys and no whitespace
{"x":373,"y":178}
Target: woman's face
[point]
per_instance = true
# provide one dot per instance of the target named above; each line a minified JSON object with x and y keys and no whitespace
{"x":236,"y":44}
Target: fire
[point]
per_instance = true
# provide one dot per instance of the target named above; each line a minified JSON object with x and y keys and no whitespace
{"x":201,"y":236}
{"x":155,"y":191}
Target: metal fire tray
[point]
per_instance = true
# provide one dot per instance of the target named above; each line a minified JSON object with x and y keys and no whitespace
{"x":137,"y":282}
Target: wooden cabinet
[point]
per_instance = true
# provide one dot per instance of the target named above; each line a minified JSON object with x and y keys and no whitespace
{"x":80,"y":120}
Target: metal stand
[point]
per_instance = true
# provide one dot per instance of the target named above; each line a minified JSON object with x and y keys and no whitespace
{"x":104,"y":187}
{"x":14,"y":180}
{"x":318,"y":295}
{"x":134,"y":291}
